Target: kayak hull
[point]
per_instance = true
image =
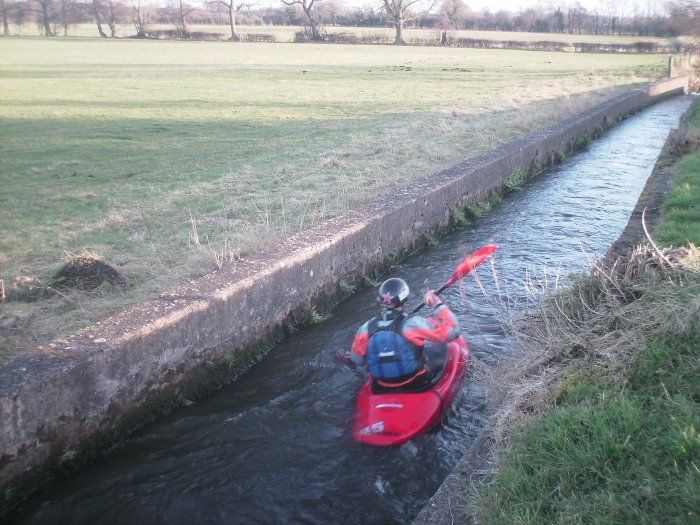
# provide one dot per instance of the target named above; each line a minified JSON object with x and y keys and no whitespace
{"x":385,"y":419}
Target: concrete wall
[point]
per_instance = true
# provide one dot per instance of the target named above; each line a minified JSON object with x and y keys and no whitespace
{"x":61,"y":398}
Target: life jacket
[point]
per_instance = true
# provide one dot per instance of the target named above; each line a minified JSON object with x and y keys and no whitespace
{"x":389,"y":355}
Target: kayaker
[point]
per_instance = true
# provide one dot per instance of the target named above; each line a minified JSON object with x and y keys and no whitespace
{"x":399,"y":350}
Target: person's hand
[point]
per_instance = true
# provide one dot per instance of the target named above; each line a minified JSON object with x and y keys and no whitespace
{"x":431,"y":299}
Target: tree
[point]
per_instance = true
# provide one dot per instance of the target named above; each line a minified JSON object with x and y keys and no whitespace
{"x":452,"y":13}
{"x":181,"y":12}
{"x":402,"y":11}
{"x":5,"y":24}
{"x":531,"y":19}
{"x":16,"y":13}
{"x":504,"y":20}
{"x":68,"y":13}
{"x":95,"y":9}
{"x":112,"y":15}
{"x":685,"y":15}
{"x":582,"y":12}
{"x":234,"y":8}
{"x":609,"y":8}
{"x":307,"y":6}
{"x":558,"y":17}
{"x":141,"y":14}
{"x":46,"y":7}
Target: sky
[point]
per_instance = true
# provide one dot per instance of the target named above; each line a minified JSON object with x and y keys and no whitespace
{"x":496,"y":5}
{"x":517,"y":5}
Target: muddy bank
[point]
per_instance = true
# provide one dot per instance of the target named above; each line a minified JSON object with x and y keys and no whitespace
{"x":451,"y":503}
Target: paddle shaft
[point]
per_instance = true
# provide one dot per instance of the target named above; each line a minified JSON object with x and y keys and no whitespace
{"x":467,"y":265}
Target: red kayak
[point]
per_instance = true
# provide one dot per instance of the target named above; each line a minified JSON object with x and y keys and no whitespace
{"x":383,"y":419}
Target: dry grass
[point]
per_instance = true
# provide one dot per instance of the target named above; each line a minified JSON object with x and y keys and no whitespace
{"x":566,"y":417}
{"x":593,"y":325}
{"x":600,"y":319}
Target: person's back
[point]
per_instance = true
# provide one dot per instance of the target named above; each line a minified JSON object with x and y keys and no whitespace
{"x":390,"y":357}
{"x":397,"y":349}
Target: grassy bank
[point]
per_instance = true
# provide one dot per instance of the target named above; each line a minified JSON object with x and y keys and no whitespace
{"x":605,"y":405}
{"x":168,"y":159}
{"x":681,"y":223}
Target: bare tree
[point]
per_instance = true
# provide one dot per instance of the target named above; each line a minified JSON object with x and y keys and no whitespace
{"x":452,"y":13}
{"x":111,"y":16}
{"x":530,"y":19}
{"x":558,"y":21}
{"x":234,"y":7}
{"x":621,"y":14}
{"x":504,"y":20}
{"x":96,"y":10}
{"x":46,"y":7}
{"x":18,"y":13}
{"x":582,"y":12}
{"x":402,"y":11}
{"x":307,"y":6}
{"x":330,"y":11}
{"x":650,"y":12}
{"x":5,"y":23}
{"x":68,"y":12}
{"x":609,"y":10}
{"x":141,"y":13}
{"x":685,"y":14}
{"x":181,"y":12}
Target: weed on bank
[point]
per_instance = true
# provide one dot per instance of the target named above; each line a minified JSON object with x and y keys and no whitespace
{"x":603,"y":418}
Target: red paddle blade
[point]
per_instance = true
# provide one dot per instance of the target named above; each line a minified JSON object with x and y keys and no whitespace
{"x":471,"y":262}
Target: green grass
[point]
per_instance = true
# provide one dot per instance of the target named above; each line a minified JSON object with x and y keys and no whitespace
{"x":622,"y":453}
{"x":163,"y":157}
{"x":681,"y":211}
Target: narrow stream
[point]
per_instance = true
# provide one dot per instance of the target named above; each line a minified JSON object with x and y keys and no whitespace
{"x":276,"y":447}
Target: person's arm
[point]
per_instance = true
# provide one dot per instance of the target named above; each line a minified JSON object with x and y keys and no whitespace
{"x":441,"y":328}
{"x":358,"y":351}
{"x":446,"y":317}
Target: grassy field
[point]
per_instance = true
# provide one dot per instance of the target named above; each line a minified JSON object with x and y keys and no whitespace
{"x":167,"y":158}
{"x":614,"y":387}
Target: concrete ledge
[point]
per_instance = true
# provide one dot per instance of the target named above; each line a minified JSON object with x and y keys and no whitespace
{"x":62,"y":398}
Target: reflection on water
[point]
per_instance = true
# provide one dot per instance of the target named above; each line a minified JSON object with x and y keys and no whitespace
{"x":276,"y":446}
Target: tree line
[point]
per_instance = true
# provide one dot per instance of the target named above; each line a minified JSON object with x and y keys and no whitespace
{"x":611,"y":17}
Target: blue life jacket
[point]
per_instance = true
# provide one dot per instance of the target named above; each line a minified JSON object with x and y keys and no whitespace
{"x":389,"y":355}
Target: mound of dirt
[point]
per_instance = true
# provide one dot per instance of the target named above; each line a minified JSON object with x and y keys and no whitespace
{"x":86,"y":273}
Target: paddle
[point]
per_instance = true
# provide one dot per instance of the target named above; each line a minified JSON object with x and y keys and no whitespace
{"x":466,"y":266}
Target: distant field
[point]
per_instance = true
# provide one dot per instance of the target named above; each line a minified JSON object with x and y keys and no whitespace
{"x":166,"y":157}
{"x":286,"y":33}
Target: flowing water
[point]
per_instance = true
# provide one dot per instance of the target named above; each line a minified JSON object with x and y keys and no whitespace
{"x":276,"y":446}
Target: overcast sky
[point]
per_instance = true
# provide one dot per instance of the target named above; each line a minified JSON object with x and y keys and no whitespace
{"x":517,"y":5}
{"x":496,"y":5}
